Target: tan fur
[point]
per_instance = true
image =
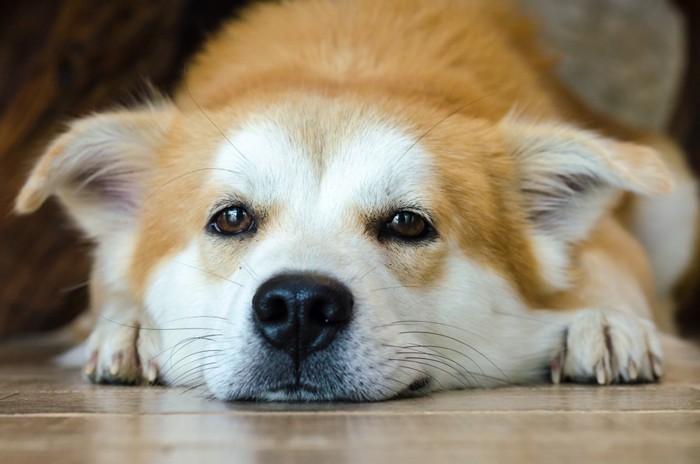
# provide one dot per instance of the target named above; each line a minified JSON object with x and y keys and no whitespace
{"x":461,"y":60}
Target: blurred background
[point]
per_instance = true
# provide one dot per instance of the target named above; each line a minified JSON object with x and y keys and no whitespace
{"x":636,"y":59}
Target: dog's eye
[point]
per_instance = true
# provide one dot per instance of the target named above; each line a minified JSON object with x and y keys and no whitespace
{"x":407,"y":225}
{"x":233,"y":220}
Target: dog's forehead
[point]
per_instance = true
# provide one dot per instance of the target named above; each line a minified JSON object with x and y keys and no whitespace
{"x":363,"y":160}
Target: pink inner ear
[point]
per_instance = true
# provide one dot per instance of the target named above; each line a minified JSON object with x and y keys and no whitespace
{"x":116,"y":189}
{"x":579,"y":183}
{"x":545,"y":200}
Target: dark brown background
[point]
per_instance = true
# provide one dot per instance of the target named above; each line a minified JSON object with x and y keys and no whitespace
{"x":65,"y":58}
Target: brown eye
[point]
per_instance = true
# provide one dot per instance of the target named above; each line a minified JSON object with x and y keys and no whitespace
{"x":408,"y":226}
{"x":233,"y":220}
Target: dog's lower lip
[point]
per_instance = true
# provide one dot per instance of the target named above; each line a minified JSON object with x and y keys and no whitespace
{"x":414,"y":388}
{"x":295,"y":389}
{"x":419,"y":384}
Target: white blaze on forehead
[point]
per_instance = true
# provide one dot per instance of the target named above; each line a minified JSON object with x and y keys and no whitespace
{"x":375,"y":167}
{"x":371,"y":165}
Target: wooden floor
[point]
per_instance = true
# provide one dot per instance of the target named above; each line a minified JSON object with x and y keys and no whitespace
{"x":49,"y":415}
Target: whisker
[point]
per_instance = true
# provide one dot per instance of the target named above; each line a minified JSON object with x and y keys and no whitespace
{"x":423,"y":363}
{"x":366,"y":273}
{"x":186,"y":341}
{"x":179,"y":380}
{"x":431,"y":358}
{"x":433,"y":353}
{"x":392,"y":287}
{"x":528,"y":318}
{"x":187,"y":89}
{"x":75,"y":287}
{"x":179,"y":361}
{"x":432,"y":378}
{"x":478,"y":374}
{"x":183,"y":344}
{"x":398,"y":381}
{"x":188,"y":173}
{"x":194,"y":387}
{"x":140,"y":327}
{"x":433,"y":349}
{"x":423,"y":332}
{"x":392,"y":390}
{"x":249,"y":269}
{"x":418,"y":321}
{"x":208,"y":272}
{"x":452,"y":113}
{"x":191,"y":370}
{"x":193,"y":362}
{"x":197,"y":317}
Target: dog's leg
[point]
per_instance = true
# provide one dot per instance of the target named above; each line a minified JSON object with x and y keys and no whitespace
{"x":587,"y":345}
{"x":606,"y":332}
{"x":119,"y":351}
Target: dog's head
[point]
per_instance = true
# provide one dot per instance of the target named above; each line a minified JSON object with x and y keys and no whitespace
{"x":323,"y":248}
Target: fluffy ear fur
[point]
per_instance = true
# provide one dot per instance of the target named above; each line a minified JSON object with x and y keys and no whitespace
{"x":98,"y":167}
{"x":570,"y":177}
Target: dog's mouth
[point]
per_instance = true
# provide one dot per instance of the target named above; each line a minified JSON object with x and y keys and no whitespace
{"x":307,"y":392}
{"x":289,"y":392}
{"x":319,"y":389}
{"x":297,"y":390}
{"x":416,"y":387}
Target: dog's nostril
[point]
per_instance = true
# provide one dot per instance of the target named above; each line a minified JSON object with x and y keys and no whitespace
{"x":273,"y":310}
{"x":328,"y":312}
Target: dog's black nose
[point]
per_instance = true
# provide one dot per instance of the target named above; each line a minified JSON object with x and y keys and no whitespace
{"x":301,"y":313}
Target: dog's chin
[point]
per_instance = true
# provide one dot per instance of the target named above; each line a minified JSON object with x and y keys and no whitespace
{"x":307,"y":393}
{"x":320,"y":390}
{"x":303,"y":393}
{"x":307,"y":390}
{"x":321,"y":380}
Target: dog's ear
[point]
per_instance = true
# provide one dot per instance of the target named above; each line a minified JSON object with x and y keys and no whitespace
{"x":98,"y":167}
{"x":569,"y":176}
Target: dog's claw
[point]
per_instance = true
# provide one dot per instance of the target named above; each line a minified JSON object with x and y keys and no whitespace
{"x":151,"y":372}
{"x":657,"y":366}
{"x":633,"y":371}
{"x":555,"y":368}
{"x":116,"y":364}
{"x":91,"y":365}
{"x":600,"y":374}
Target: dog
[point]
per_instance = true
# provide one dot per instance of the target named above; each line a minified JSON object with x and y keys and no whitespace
{"x":366,"y":199}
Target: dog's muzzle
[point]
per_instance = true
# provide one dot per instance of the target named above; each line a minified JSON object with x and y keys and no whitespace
{"x":301,"y":313}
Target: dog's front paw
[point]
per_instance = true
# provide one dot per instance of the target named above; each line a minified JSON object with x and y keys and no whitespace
{"x":608,"y":347}
{"x":119,"y":354}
